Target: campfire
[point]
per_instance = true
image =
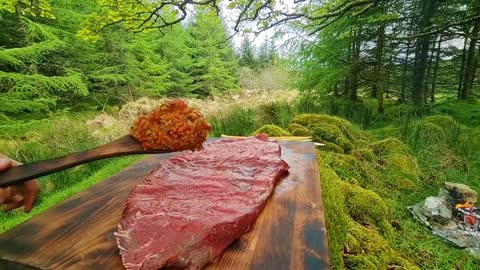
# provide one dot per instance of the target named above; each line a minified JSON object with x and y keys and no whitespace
{"x":468,"y":215}
{"x":452,"y":216}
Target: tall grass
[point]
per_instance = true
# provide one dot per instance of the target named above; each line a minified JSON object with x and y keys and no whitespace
{"x":52,"y":137}
{"x":236,"y":122}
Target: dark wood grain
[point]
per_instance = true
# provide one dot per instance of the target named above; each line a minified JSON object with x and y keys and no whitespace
{"x":121,"y":147}
{"x":78,"y":233}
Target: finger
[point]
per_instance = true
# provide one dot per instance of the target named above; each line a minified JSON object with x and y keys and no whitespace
{"x":5,"y":194}
{"x":5,"y":163}
{"x":12,"y":205}
{"x":31,"y":190}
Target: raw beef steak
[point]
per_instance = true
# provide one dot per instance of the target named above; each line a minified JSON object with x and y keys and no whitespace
{"x":194,"y":205}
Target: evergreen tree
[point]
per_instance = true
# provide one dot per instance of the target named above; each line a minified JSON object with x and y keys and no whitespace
{"x":247,"y":54}
{"x":31,"y":78}
{"x":214,"y":68}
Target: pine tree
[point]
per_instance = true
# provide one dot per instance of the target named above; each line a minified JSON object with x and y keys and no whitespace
{"x":31,"y":79}
{"x":214,"y":68}
{"x":247,"y":54}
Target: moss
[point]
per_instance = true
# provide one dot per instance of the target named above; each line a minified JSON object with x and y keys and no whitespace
{"x":387,"y":146}
{"x":347,"y":166}
{"x":336,"y":216}
{"x":363,"y":154}
{"x":299,"y":130}
{"x":351,"y":245}
{"x":311,"y":120}
{"x":366,"y":249}
{"x":272,"y":130}
{"x":402,"y":171}
{"x":332,"y":147}
{"x":367,"y":207}
{"x":324,"y":132}
{"x":404,"y":164}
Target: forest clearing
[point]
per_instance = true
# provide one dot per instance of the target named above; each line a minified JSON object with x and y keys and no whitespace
{"x":388,"y":89}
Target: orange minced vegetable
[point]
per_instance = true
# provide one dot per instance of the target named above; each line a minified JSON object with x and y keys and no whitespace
{"x":171,"y":126}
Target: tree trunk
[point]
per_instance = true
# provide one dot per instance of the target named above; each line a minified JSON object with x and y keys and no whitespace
{"x":404,"y":73}
{"x":389,"y":73}
{"x":471,"y":64}
{"x":429,"y":70}
{"x":355,"y":68}
{"x":461,"y":76}
{"x":378,"y":67}
{"x":421,"y":53}
{"x":346,"y":86}
{"x":435,"y":70}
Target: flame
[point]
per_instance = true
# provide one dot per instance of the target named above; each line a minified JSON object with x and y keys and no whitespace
{"x":465,"y":205}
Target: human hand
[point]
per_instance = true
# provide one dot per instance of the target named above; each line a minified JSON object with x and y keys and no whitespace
{"x":15,"y":196}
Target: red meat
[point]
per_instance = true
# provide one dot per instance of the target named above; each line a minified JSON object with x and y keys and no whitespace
{"x":191,"y":208}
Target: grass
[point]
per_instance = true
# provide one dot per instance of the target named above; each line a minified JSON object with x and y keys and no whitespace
{"x":53,"y":136}
{"x":11,"y":219}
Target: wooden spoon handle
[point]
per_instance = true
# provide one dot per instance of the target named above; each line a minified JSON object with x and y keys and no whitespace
{"x":121,"y":147}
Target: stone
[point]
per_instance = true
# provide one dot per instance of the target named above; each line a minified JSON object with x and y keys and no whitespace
{"x":436,"y":210}
{"x":461,"y":193}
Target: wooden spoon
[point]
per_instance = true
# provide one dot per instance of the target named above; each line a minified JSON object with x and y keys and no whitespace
{"x":124,"y":146}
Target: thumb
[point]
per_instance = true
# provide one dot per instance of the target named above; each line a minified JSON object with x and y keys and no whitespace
{"x":5,"y":163}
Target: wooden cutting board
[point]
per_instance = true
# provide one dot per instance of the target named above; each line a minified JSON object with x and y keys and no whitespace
{"x":78,"y":233}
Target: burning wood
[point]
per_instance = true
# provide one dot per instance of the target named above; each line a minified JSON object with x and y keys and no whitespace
{"x":466,"y":205}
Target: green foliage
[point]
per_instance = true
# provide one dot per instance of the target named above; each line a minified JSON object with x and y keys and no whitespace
{"x":237,"y":122}
{"x":25,"y":86}
{"x":247,"y":54}
{"x":279,"y":113}
{"x":272,"y":131}
{"x":466,"y":112}
{"x":214,"y":67}
{"x":36,"y":8}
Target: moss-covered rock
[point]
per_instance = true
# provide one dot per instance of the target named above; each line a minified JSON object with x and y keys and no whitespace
{"x":324,"y":132}
{"x":351,"y":245}
{"x":347,"y":166}
{"x":299,"y":130}
{"x":366,"y":206}
{"x":366,"y":249}
{"x":272,"y":130}
{"x":311,"y":120}
{"x":387,"y":146}
{"x":332,"y":147}
{"x":336,"y":216}
{"x":402,"y":171}
{"x":363,"y":154}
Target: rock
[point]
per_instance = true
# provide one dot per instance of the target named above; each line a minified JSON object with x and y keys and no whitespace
{"x":436,"y":210}
{"x":461,"y":193}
